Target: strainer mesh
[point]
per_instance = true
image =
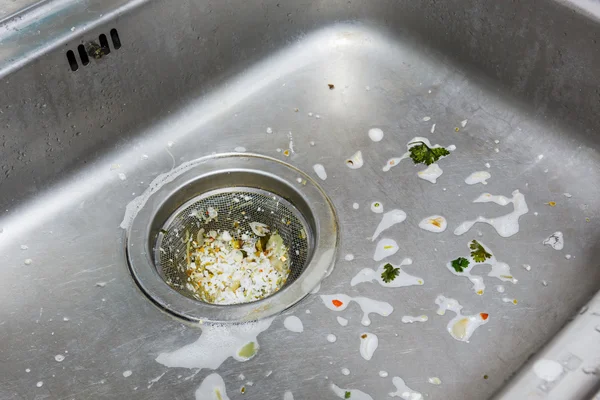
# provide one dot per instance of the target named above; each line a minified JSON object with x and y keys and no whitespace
{"x":243,"y":205}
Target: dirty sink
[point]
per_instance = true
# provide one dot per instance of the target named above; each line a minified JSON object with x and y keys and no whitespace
{"x":114,"y":114}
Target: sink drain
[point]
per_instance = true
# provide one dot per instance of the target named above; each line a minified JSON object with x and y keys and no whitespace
{"x":227,"y":193}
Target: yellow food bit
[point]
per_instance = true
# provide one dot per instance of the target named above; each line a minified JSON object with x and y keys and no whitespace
{"x":515,"y":301}
{"x":388,"y":247}
{"x":480,"y":292}
{"x":456,"y":129}
{"x":436,"y":222}
{"x":286,"y":153}
{"x":551,"y":203}
{"x":587,"y":220}
{"x":243,"y":390}
{"x":420,"y":282}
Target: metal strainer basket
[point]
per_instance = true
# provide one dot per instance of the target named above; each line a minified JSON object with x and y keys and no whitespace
{"x":236,"y":208}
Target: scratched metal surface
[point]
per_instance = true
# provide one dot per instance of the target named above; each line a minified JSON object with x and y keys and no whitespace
{"x":70,"y":219}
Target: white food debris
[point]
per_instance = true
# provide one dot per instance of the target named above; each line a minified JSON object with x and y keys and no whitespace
{"x":355,"y":206}
{"x":59,"y":357}
{"x":258,"y":228}
{"x":527,"y":267}
{"x":269,"y":130}
{"x":24,"y":247}
{"x":127,"y":373}
{"x":426,"y":119}
{"x":28,"y":261}
{"x":433,"y":128}
{"x":568,"y":195}
{"x":232,"y":271}
{"x":331,"y":338}
{"x":463,"y":123}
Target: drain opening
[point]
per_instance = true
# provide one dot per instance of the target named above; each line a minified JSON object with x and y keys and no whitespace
{"x":72,"y":60}
{"x":83,"y":55}
{"x":209,"y":250}
{"x":114,"y":35}
{"x":267,"y":192}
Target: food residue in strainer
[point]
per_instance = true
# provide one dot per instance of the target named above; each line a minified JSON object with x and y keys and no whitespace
{"x":223,"y":269}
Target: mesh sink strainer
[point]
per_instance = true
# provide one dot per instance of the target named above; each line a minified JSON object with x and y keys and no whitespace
{"x":235,"y":208}
{"x":238,"y":189}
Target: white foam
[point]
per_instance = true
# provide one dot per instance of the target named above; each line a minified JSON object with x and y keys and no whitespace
{"x":368,"y":344}
{"x":216,"y":344}
{"x":403,"y":279}
{"x":388,"y":220}
{"x":320,"y":171}
{"x":356,"y":161}
{"x":461,"y":327}
{"x":556,"y":240}
{"x":548,"y":370}
{"x":355,"y":394}
{"x":431,"y":173}
{"x":500,"y":270}
{"x":434,"y":223}
{"x":212,"y":388}
{"x":506,"y":225}
{"x":293,"y":324}
{"x":478,"y":177}
{"x":407,"y":319}
{"x":375,"y":134}
{"x":385,"y":248}
{"x":367,"y":305}
{"x":404,"y":391}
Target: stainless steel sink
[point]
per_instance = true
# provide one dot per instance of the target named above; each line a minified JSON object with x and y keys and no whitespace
{"x":98,"y":98}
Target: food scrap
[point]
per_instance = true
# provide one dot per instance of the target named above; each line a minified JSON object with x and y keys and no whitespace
{"x":390,"y":273}
{"x":223,"y":269}
{"x":423,"y":154}
{"x":337,"y":303}
{"x":478,"y":252}
{"x":460,"y":264}
{"x":551,"y":203}
{"x":331,"y":86}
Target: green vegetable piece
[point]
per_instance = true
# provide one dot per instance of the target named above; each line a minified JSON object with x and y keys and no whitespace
{"x":423,"y":154}
{"x":390,"y":273}
{"x":248,"y":351}
{"x":478,"y":252}
{"x":347,"y":395}
{"x":460,"y":264}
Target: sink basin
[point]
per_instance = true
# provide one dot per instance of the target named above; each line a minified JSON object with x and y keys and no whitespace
{"x":103,"y":101}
